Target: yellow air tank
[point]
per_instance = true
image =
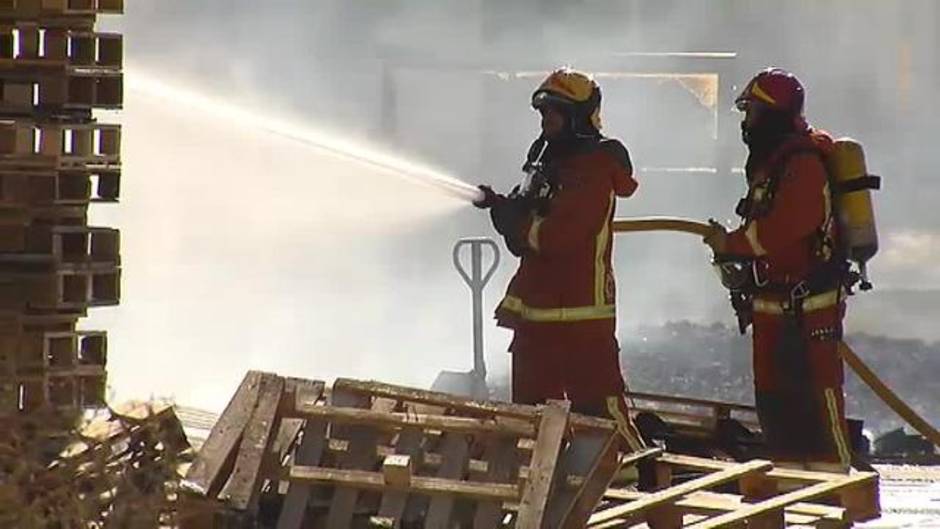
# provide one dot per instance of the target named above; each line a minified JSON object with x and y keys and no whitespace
{"x":852,"y":195}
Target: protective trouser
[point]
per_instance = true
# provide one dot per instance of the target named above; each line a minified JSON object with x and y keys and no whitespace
{"x":583,"y":368}
{"x":798,"y":377}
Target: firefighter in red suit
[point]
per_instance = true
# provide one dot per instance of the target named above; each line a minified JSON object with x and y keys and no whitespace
{"x":561,"y":302}
{"x":792,"y":287}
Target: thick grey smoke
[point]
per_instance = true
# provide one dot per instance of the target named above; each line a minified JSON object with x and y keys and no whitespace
{"x":320,"y":291}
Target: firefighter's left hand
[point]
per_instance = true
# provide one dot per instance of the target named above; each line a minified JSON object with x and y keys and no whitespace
{"x":718,"y":238}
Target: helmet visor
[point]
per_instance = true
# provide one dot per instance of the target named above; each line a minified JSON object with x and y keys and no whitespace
{"x":544,"y":98}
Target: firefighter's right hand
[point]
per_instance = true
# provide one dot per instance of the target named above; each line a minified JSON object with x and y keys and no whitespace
{"x":489,"y":198}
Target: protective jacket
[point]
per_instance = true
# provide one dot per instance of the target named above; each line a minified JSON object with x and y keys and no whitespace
{"x":788,"y":226}
{"x":565,"y":273}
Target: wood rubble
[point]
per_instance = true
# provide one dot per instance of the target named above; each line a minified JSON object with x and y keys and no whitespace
{"x":292,"y":453}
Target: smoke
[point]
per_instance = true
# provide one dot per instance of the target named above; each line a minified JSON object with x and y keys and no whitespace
{"x":331,"y":267}
{"x":251,"y":244}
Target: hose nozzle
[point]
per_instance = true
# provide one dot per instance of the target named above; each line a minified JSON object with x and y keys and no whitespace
{"x":487,"y":197}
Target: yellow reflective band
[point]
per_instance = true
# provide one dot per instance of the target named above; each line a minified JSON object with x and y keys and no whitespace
{"x":835,"y":424}
{"x":817,"y":302}
{"x":600,"y":250}
{"x":764,"y":96}
{"x":751,"y":235}
{"x":533,"y":236}
{"x":593,"y":312}
{"x":624,"y":425}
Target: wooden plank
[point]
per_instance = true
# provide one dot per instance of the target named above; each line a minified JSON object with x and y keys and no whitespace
{"x":454,"y":449}
{"x":360,"y":454}
{"x":552,"y":428}
{"x":502,"y":459}
{"x":393,"y":501}
{"x":575,"y":461}
{"x":782,"y":474}
{"x":209,"y":470}
{"x":308,"y":452}
{"x":671,"y":494}
{"x":479,"y":407}
{"x":784,"y":500}
{"x":290,"y":428}
{"x":597,"y":479}
{"x":354,"y":416}
{"x":635,"y":457}
{"x":367,"y":480}
{"x":705,"y":403}
{"x":244,"y":486}
{"x":707,"y":502}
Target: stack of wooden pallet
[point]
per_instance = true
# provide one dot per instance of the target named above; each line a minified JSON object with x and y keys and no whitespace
{"x":292,"y":453}
{"x":55,"y":160}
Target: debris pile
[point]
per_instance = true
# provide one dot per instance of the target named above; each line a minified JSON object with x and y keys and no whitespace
{"x":293,"y":453}
{"x":121,"y":470}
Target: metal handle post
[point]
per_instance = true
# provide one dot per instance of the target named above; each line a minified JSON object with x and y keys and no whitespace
{"x":477,"y":280}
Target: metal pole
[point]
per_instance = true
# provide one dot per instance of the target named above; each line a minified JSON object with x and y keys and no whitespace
{"x":476,"y":259}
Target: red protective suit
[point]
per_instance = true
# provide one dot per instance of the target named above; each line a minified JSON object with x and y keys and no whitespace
{"x":798,"y":374}
{"x":561,"y":301}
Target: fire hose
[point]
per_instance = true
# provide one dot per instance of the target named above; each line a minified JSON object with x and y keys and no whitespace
{"x":889,"y":397}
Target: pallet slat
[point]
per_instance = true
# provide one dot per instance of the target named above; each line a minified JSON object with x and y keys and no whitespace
{"x":552,"y":427}
{"x":670,"y":495}
{"x":242,"y":489}
{"x":366,"y":480}
{"x":206,"y":474}
{"x":308,"y":452}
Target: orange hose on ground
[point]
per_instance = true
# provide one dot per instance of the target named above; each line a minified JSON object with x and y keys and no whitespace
{"x":887,"y":396}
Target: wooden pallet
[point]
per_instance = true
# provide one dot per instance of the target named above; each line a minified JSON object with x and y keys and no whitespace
{"x":63,"y":289}
{"x":73,"y":389}
{"x":697,"y":415}
{"x":45,"y":188}
{"x":59,"y":351}
{"x":33,"y":47}
{"x":762,"y":496}
{"x":69,"y":246}
{"x":701,"y":426}
{"x":60,"y":11}
{"x":25,"y":144}
{"x":366,"y":454}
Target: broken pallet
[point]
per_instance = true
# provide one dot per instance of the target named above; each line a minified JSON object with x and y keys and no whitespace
{"x":367,"y":454}
{"x":765,"y":497}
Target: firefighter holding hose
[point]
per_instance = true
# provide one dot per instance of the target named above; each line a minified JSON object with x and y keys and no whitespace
{"x":788,"y":270}
{"x":560,"y":304}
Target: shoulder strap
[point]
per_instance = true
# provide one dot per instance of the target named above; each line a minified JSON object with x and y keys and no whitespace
{"x":618,"y":152}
